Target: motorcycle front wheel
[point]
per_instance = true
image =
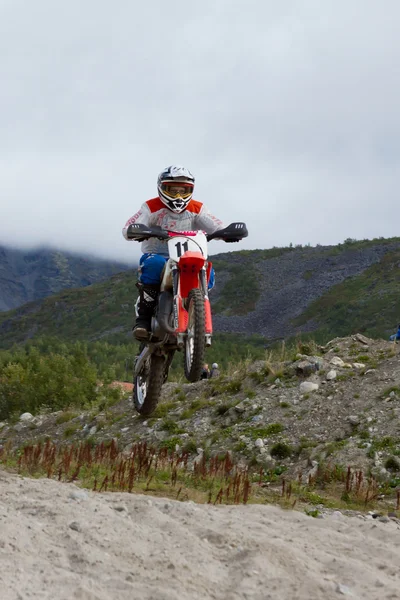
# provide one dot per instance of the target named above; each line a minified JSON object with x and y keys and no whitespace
{"x":147,"y":385}
{"x":194,"y":348}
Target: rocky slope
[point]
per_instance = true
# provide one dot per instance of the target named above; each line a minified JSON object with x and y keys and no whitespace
{"x":293,"y":281}
{"x":31,"y":275}
{"x":338,"y":405}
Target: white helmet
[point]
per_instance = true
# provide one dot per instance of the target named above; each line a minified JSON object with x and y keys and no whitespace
{"x":175,"y":187}
{"x":214,"y":366}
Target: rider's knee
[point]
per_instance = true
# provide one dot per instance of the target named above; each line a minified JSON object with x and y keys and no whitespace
{"x":150,"y":268}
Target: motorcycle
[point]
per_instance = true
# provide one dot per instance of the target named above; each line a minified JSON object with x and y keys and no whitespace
{"x":182,"y":319}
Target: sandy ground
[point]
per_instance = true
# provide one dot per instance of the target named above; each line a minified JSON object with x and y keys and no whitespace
{"x":54,"y":545}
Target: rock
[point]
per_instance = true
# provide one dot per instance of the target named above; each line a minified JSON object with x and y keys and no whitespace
{"x":384,"y":519}
{"x":75,"y":526}
{"x":362,"y":339}
{"x":337,"y":361}
{"x":311,"y":472}
{"x":353,"y":420}
{"x":358,"y":366}
{"x":306,"y":368}
{"x":124,"y":429}
{"x":331,"y":375}
{"x":256,"y":418}
{"x":26,"y":417}
{"x":380,"y":474}
{"x":259,"y":443}
{"x":308,"y":386}
{"x":92,"y":430}
{"x":18,"y":427}
{"x":240,"y":408}
{"x":343,"y":589}
{"x":78,"y":495}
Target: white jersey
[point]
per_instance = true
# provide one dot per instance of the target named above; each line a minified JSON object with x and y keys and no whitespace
{"x":196,"y":217}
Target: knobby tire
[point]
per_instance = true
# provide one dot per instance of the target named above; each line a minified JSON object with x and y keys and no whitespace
{"x":154,"y":381}
{"x":197,"y":322}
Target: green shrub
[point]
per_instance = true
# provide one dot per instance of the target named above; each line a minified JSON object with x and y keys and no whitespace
{"x":281,"y":450}
{"x":392,"y":464}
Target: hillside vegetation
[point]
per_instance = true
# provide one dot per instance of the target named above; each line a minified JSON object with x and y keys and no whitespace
{"x":27,"y":275}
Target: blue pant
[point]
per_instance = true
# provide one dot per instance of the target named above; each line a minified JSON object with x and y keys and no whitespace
{"x":151,"y":266}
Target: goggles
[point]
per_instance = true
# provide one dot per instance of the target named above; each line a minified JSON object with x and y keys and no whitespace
{"x":177,"y":189}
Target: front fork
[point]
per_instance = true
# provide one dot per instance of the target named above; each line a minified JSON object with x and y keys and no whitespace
{"x":181,"y":316}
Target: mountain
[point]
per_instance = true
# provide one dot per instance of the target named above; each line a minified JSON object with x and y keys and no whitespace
{"x":36,"y":274}
{"x":277,"y":293}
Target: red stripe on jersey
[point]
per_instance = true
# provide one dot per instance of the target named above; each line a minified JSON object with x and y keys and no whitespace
{"x":194,"y":206}
{"x":155,"y":204}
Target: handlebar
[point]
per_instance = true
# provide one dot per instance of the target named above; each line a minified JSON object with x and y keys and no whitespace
{"x":232,"y":233}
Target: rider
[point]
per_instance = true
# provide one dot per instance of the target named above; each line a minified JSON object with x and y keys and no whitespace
{"x":172,"y":209}
{"x":396,"y":336}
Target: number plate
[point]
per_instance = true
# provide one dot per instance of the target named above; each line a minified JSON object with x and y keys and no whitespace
{"x":179,"y":244}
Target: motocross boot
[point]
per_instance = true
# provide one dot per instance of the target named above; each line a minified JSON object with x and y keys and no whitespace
{"x":148,"y":295}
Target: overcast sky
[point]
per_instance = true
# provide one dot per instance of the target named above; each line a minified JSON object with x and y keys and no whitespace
{"x":286,"y":112}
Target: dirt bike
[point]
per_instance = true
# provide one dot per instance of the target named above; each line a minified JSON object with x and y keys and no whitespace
{"x":182,"y":319}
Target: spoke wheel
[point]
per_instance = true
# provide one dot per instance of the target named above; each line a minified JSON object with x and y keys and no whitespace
{"x":194,"y":348}
{"x":147,"y":385}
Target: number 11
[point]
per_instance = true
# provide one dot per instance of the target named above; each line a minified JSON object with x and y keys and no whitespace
{"x":179,"y":247}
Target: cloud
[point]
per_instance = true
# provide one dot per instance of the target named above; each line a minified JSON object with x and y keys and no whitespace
{"x":286,"y":113}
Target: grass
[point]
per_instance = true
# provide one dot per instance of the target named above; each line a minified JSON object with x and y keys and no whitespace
{"x":263,"y":432}
{"x":194,"y":407}
{"x":333,"y":486}
{"x":65,"y":417}
{"x":162,"y":472}
{"x":171,"y":427}
{"x":71,"y":429}
{"x":163,"y":409}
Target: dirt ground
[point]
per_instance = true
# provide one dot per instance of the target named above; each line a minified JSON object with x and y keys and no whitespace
{"x":59,"y":541}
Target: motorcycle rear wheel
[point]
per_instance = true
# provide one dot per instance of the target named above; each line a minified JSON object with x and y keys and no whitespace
{"x":147,"y":385}
{"x":194,"y":348}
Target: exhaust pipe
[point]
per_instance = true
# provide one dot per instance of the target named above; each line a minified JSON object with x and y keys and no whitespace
{"x":165,"y":305}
